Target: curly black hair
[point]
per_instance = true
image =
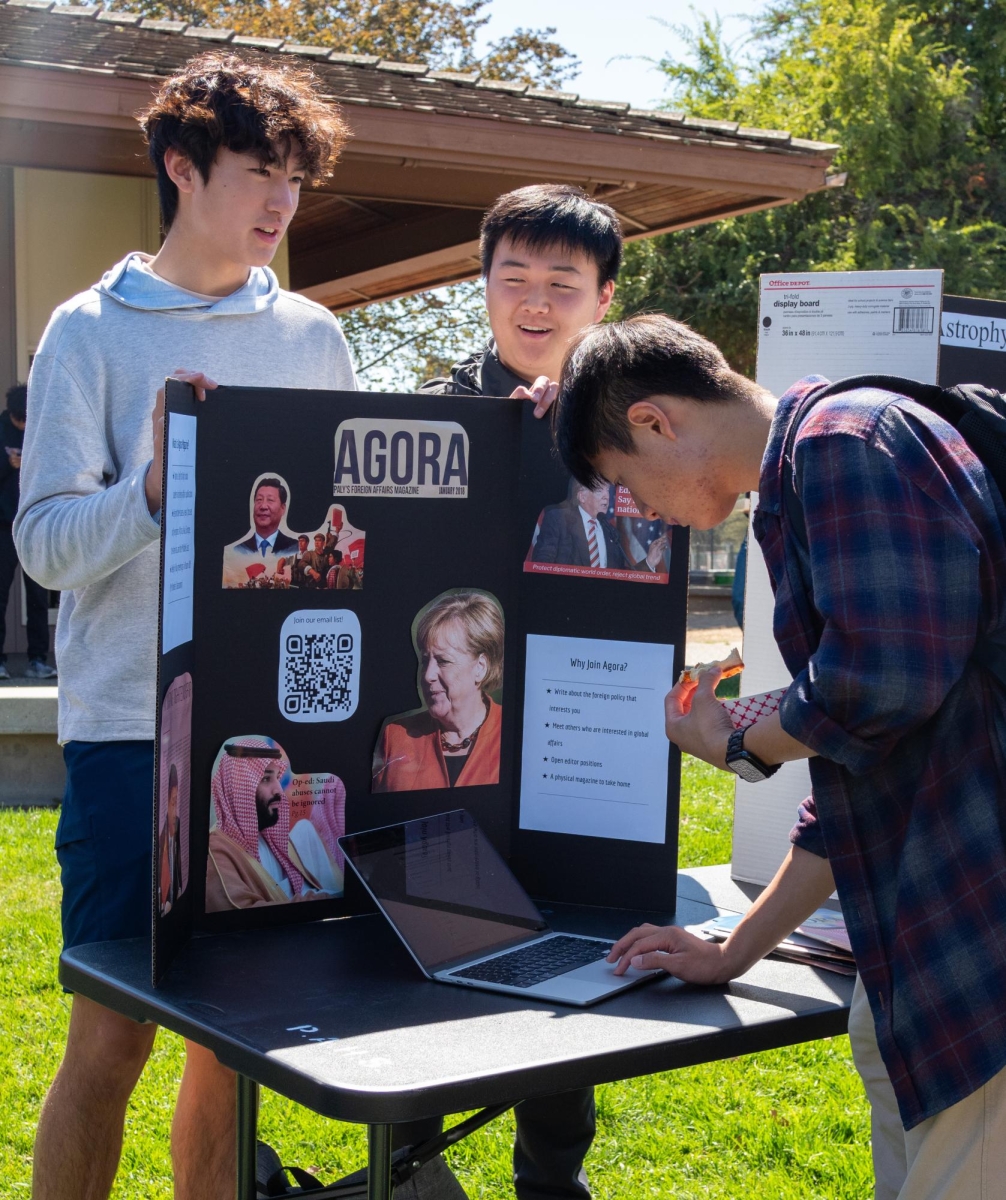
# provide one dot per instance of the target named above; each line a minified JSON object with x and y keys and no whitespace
{"x":247,"y":105}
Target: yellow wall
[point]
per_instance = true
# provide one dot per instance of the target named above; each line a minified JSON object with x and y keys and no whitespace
{"x":69,"y":228}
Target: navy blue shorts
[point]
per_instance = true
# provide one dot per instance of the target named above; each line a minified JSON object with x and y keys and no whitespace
{"x":104,"y":841}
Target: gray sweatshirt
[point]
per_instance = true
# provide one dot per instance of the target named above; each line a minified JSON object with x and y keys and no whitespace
{"x":83,"y":525}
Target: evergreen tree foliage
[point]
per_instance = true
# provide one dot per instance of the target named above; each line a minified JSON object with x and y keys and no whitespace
{"x":915,"y":98}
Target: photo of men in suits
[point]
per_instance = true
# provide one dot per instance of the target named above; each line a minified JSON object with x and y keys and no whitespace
{"x":581,"y":533}
{"x":575,"y":533}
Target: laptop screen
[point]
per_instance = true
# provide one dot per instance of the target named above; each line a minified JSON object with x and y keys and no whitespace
{"x":443,"y":886}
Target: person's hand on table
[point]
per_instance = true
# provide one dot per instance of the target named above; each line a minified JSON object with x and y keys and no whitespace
{"x":152,"y":485}
{"x":543,"y":392}
{"x":696,"y":722}
{"x":674,"y":950}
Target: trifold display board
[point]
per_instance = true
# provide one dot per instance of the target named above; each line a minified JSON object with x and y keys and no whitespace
{"x":973,"y":342}
{"x":380,"y":607}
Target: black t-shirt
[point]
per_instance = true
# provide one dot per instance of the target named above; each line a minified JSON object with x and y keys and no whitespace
{"x":454,"y":764}
{"x":480,"y":374}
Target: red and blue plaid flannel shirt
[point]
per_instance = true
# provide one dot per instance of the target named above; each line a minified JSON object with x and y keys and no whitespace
{"x":877,"y":620}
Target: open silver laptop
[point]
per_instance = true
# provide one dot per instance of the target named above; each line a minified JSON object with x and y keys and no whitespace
{"x":466,"y":920}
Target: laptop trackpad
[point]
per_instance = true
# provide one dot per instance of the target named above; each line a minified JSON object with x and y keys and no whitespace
{"x":590,"y":981}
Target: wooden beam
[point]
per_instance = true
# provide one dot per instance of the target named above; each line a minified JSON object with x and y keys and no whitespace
{"x":452,"y":264}
{"x":678,"y":158}
{"x":313,"y":262}
{"x":708,"y":217}
{"x":378,"y":178}
{"x":72,"y":96}
{"x":62,"y":147}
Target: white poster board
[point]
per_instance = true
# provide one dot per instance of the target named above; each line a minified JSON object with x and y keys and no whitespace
{"x":595,"y":750}
{"x":836,"y":324}
{"x":178,"y":515}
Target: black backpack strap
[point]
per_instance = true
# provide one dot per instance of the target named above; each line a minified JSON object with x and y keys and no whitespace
{"x":792,"y":506}
{"x":955,"y":405}
{"x":977,"y":413}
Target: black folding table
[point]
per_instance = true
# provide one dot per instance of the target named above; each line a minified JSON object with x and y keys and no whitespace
{"x":337,"y":1017}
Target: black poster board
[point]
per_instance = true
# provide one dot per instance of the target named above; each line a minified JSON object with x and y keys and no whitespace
{"x":450,"y":492}
{"x":594,"y":870}
{"x":973,"y":342}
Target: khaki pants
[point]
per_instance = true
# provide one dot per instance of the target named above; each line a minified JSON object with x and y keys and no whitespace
{"x":960,"y":1154}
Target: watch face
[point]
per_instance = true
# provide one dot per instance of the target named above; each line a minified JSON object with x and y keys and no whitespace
{"x":746,"y":770}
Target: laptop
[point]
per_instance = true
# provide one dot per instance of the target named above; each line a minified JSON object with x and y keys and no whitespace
{"x":466,"y":920}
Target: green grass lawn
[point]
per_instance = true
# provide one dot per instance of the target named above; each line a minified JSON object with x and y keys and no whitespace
{"x":789,"y":1124}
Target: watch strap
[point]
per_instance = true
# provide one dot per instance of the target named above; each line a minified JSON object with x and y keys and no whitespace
{"x":736,"y":750}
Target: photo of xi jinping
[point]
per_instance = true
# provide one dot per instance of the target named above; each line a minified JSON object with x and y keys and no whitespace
{"x":269,"y":501}
{"x":254,"y":560}
{"x":454,"y":739}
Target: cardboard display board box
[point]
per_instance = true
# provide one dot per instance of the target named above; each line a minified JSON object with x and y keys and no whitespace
{"x":835,"y":324}
{"x":893,"y":323}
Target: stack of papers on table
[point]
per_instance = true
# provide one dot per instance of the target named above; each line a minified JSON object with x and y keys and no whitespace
{"x":821,"y":941}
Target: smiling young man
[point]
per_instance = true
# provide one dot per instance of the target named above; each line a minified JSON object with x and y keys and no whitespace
{"x":232,"y":144}
{"x":883,"y":601}
{"x":550,"y":256}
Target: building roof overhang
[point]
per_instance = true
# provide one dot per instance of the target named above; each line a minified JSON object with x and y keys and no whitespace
{"x":430,"y":150}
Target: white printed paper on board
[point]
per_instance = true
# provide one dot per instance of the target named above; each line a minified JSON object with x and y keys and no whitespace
{"x":595,"y":750}
{"x":840,"y":323}
{"x":319,"y":665}
{"x":178,"y":508}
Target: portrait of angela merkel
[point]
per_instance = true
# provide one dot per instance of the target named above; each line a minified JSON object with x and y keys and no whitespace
{"x":454,"y":739}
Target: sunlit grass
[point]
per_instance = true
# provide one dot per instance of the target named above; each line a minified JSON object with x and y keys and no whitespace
{"x":787,"y":1124}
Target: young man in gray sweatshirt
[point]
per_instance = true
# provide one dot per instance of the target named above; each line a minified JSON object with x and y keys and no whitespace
{"x":232,"y":144}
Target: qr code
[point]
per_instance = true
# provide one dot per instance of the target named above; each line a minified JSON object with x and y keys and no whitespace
{"x":319,"y":669}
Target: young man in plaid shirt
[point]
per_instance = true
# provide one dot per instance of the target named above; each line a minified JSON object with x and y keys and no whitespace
{"x":879,"y":602}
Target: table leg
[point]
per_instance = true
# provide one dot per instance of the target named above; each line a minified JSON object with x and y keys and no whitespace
{"x":247,"y":1139}
{"x":379,"y":1162}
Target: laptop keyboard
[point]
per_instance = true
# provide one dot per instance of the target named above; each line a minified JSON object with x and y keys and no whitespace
{"x":534,"y":964}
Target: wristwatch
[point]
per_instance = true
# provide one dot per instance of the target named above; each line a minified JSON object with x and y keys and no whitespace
{"x":743,"y":763}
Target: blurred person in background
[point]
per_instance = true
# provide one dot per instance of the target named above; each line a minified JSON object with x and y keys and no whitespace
{"x":12,"y":422}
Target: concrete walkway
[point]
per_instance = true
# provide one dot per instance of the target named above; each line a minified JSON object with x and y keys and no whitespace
{"x":31,"y":762}
{"x":711,"y":635}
